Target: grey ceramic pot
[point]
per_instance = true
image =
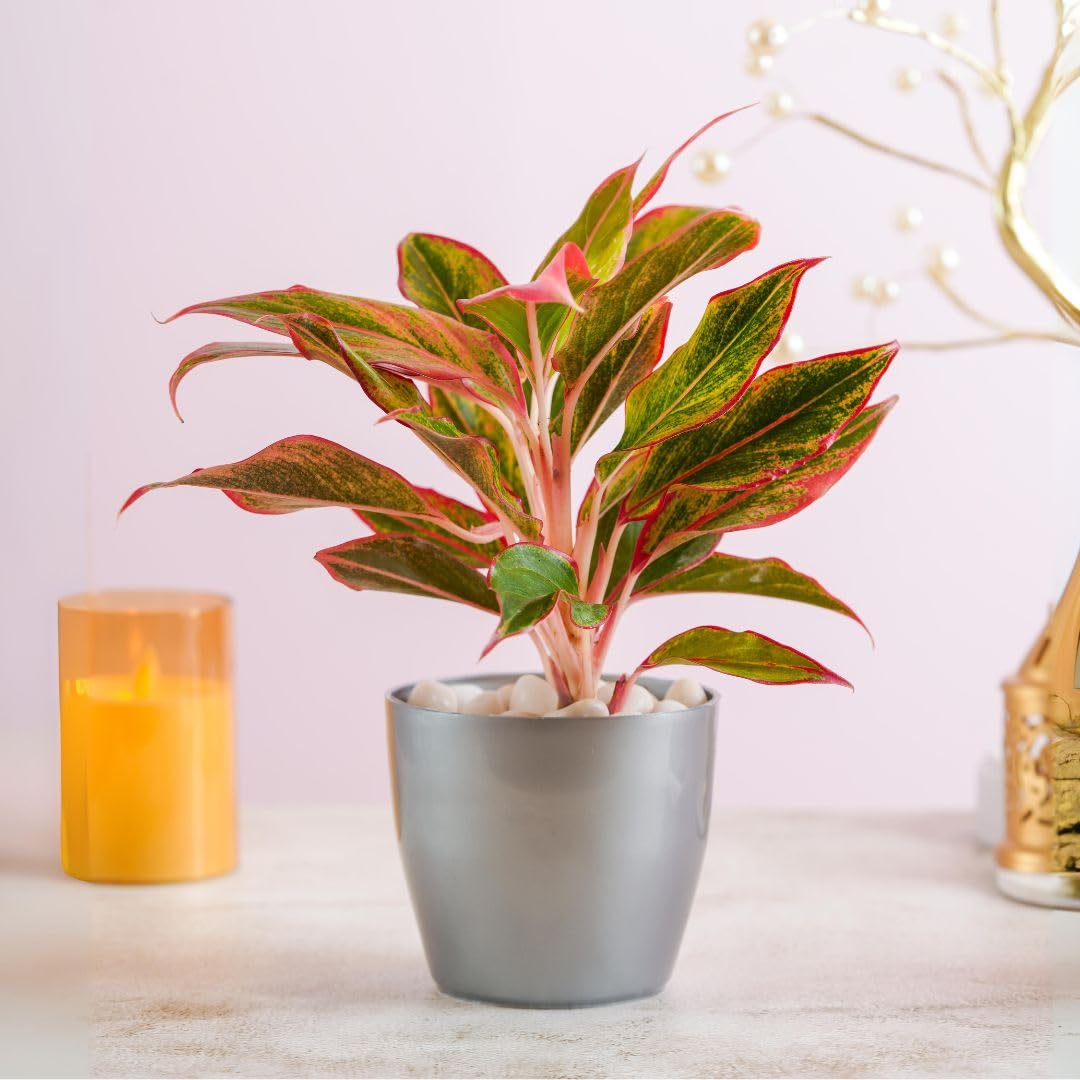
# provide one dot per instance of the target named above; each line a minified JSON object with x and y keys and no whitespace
{"x":552,"y":861}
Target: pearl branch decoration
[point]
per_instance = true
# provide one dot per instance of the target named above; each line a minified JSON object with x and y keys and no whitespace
{"x":1005,"y":184}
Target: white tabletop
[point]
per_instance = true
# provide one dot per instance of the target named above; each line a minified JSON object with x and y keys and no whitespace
{"x":819,"y":945}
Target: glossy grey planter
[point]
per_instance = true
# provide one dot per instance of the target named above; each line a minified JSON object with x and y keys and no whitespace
{"x":551,"y":861}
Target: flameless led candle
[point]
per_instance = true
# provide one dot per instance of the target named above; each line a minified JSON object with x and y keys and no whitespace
{"x":146,"y":736}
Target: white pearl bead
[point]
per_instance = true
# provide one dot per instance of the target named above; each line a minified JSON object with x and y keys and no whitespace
{"x":908,"y":78}
{"x":865,"y":287}
{"x":944,"y":259}
{"x":887,"y":292}
{"x":433,"y":695}
{"x":711,"y":166}
{"x":873,"y":8}
{"x":909,"y":218}
{"x":689,"y":691}
{"x":953,"y":25}
{"x":637,"y":702}
{"x":767,"y":35}
{"x":531,"y":694}
{"x":792,"y":344}
{"x":584,"y":707}
{"x":669,"y":705}
{"x":759,"y":63}
{"x":486,"y":703}
{"x":779,"y":104}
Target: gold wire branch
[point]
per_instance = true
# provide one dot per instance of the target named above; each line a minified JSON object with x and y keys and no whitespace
{"x":1008,"y":181}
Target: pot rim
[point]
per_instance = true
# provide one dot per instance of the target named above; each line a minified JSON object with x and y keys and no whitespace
{"x":399,"y":694}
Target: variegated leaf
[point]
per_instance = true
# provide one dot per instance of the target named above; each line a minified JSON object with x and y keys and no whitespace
{"x":722,"y":573}
{"x":553,"y":295}
{"x":701,"y":378}
{"x":461,"y":514}
{"x":305,"y":471}
{"x":227,"y":350}
{"x":786,"y":416}
{"x":529,"y":580}
{"x":407,"y":564}
{"x":473,"y":457}
{"x":612,"y":308}
{"x":626,"y":364}
{"x":469,"y":418}
{"x":642,"y":199}
{"x":603,"y":227}
{"x":436,"y":272}
{"x":688,"y":511}
{"x":744,"y":654}
{"x":419,"y":344}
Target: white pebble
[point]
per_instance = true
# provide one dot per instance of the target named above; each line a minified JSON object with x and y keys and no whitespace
{"x":584,"y":707}
{"x":466,"y":691}
{"x":531,"y":694}
{"x":688,"y":691}
{"x":669,"y":705}
{"x":604,"y":690}
{"x":486,"y":703}
{"x":433,"y":695}
{"x":504,"y":693}
{"x":638,"y":701}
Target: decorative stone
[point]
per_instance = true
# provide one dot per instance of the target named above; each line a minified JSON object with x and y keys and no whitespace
{"x":638,"y":701}
{"x":434,"y":695}
{"x":688,"y":691}
{"x":604,"y":690}
{"x":584,"y":707}
{"x":531,"y":694}
{"x":465,"y":692}
{"x":486,"y":703}
{"x":669,"y":705}
{"x":504,"y":693}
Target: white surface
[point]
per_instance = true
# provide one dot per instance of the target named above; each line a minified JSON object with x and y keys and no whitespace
{"x":159,"y":154}
{"x":819,"y":945}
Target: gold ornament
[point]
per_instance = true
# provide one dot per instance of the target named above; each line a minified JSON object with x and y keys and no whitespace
{"x":953,"y":25}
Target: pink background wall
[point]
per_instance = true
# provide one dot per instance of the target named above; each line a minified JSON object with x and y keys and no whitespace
{"x":157,"y":154}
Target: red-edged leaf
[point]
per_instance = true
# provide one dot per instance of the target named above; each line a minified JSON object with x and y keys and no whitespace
{"x":305,"y":471}
{"x":686,"y":511}
{"x":744,"y":654}
{"x":645,"y":196}
{"x":625,"y":365}
{"x":612,"y":308}
{"x":701,"y":377}
{"x":657,"y":225}
{"x":436,"y":272}
{"x":419,"y":344}
{"x":786,"y":416}
{"x":471,"y":456}
{"x":555,"y":293}
{"x":475,"y":460}
{"x":468,"y":417}
{"x":226,"y":350}
{"x":407,"y":564}
{"x":722,"y":573}
{"x":461,"y":514}
{"x":603,"y":227}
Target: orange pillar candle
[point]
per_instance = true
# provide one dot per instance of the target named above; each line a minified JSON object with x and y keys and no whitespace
{"x":146,"y":736}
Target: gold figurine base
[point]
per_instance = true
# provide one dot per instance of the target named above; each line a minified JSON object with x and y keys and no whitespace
{"x":1039,"y":861}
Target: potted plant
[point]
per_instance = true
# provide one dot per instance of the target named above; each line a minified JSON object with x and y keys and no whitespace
{"x":552,"y":830}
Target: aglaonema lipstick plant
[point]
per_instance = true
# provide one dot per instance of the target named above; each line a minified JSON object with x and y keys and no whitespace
{"x":507,"y":382}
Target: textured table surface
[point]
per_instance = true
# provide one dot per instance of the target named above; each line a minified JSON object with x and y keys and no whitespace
{"x":819,"y":945}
